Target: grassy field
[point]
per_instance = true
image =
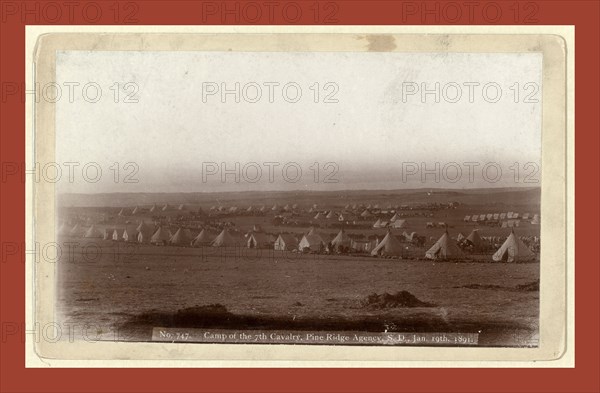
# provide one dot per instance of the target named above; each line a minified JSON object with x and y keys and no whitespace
{"x":118,"y":287}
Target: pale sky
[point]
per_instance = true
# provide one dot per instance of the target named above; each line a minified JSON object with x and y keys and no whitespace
{"x":368,"y":133}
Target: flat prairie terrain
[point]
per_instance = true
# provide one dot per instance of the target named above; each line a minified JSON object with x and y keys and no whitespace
{"x":128,"y":289}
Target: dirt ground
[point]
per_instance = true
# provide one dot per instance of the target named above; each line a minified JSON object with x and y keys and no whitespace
{"x":110,"y":288}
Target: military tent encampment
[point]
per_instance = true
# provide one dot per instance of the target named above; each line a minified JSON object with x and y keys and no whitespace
{"x":513,"y":250}
{"x":444,"y":248}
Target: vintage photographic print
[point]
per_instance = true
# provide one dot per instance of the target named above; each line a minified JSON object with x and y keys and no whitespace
{"x":262,"y":190}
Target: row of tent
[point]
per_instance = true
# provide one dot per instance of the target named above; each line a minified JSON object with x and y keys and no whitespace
{"x":535,"y":218}
{"x":153,"y":209}
{"x":445,"y":248}
{"x":512,"y":250}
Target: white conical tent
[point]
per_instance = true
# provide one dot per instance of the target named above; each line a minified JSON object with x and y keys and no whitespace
{"x":76,"y":231}
{"x":93,"y":232}
{"x":161,"y":236}
{"x":513,"y":250}
{"x":341,"y":240}
{"x":142,"y":227}
{"x":135,"y":211}
{"x":444,"y":248}
{"x":182,"y":237}
{"x":398,"y":223}
{"x":311,"y":231}
{"x":225,"y":239}
{"x":130,"y":234}
{"x":390,"y":245}
{"x":153,"y":208}
{"x":474,"y":240}
{"x":144,"y":233}
{"x":204,"y":238}
{"x":377,"y":223}
{"x":63,"y":230}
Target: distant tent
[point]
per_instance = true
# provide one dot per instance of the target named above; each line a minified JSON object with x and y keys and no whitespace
{"x":474,"y":218}
{"x":275,"y":207}
{"x":144,"y":233}
{"x":141,"y":227}
{"x":330,"y":215}
{"x":362,"y":245}
{"x":166,"y":207}
{"x":107,"y":234}
{"x":536,"y":219}
{"x":377,"y":223}
{"x":93,"y":232}
{"x":474,"y":240}
{"x":311,"y":231}
{"x":182,"y":207}
{"x":130,"y":234}
{"x":460,"y":237}
{"x":182,"y":237}
{"x":63,"y":230}
{"x":513,"y":250}
{"x":390,"y":245}
{"x":258,"y":240}
{"x":365,"y":214}
{"x":117,"y":234}
{"x":286,"y":242}
{"x":225,"y":239}
{"x":398,"y":224}
{"x":249,"y":209}
{"x":318,"y":216}
{"x":467,"y":219}
{"x":312,"y":242}
{"x":77,"y":231}
{"x":161,"y":236}
{"x":153,"y":208}
{"x":121,"y":212}
{"x":204,"y":238}
{"x":135,"y":211}
{"x":341,"y":241}
{"x":444,"y":248}
{"x":496,"y":216}
{"x":395,"y":217}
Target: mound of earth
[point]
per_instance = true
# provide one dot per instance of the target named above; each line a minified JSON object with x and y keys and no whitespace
{"x":400,"y":299}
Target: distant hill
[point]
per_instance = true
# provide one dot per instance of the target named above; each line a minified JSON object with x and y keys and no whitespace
{"x":472,"y":197}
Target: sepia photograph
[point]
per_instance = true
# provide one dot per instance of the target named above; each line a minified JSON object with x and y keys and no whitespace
{"x":364,"y":190}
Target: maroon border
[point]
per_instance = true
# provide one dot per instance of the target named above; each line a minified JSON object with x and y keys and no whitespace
{"x":584,"y":377}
